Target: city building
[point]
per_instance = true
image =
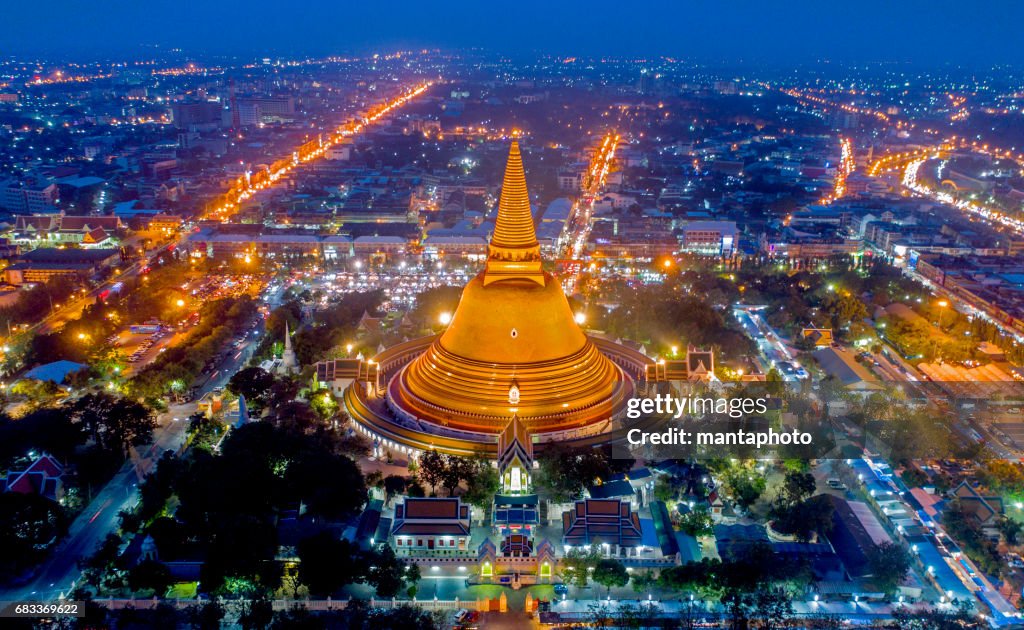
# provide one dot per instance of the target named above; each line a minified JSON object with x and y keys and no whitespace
{"x":715,"y":238}
{"x":51,"y":230}
{"x":428,"y":524}
{"x":42,"y":264}
{"x":28,"y":197}
{"x":197,"y":115}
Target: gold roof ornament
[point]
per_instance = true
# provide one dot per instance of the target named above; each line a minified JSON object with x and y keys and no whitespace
{"x":514,"y":253}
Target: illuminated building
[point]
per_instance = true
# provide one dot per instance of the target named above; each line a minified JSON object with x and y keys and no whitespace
{"x":427,"y":524}
{"x":512,"y":348}
{"x":717,"y":238}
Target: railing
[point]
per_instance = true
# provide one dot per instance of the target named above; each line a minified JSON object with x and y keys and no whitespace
{"x":427,"y":556}
{"x":315,"y":605}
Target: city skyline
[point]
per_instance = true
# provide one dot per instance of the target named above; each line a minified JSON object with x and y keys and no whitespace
{"x":466,"y":316}
{"x":924,"y":34}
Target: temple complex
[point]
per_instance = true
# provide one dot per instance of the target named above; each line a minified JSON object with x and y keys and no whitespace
{"x":512,"y":349}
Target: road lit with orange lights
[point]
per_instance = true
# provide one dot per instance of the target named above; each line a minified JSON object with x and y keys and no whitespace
{"x":912,"y":182}
{"x":251,"y":183}
{"x":846,"y":166}
{"x":583,"y":210}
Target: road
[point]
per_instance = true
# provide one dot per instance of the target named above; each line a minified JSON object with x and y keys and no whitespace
{"x":58,"y":575}
{"x":73,"y":309}
{"x":773,"y":351}
{"x":583,"y":208}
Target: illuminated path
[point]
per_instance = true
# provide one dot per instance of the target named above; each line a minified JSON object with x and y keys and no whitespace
{"x":583,"y":210}
{"x":251,"y":183}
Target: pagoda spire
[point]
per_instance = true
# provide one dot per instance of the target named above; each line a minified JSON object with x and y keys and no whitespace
{"x":514,"y":253}
{"x":288,"y":360}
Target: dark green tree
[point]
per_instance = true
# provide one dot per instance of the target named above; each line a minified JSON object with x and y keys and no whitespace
{"x":609,"y":572}
{"x":326,"y":564}
{"x":150,"y":575}
{"x":889,"y":564}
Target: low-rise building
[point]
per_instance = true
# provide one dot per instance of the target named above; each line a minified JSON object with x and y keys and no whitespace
{"x":608,"y":525}
{"x":431,"y":524}
{"x":713,"y":238}
{"x":42,"y":264}
{"x":44,"y":476}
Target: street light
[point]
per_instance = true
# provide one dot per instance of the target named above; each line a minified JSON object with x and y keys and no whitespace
{"x":445,"y":318}
{"x":581,"y":318}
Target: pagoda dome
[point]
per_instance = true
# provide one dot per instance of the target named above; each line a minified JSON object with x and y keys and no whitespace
{"x":513,"y":331}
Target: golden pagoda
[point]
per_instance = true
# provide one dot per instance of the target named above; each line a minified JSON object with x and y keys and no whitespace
{"x":513,"y":345}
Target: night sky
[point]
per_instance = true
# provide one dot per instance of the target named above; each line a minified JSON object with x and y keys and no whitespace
{"x":976,"y":33}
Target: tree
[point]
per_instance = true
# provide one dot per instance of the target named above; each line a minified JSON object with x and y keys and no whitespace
{"x":254,"y":383}
{"x":843,"y":308}
{"x":609,"y":572}
{"x":643,"y":581}
{"x":326,"y":564}
{"x":738,"y":605}
{"x":564,"y":471}
{"x":797,"y":486}
{"x":296,"y":416}
{"x":256,"y":614}
{"x":394,"y":485}
{"x":576,"y":565}
{"x":482,"y":484}
{"x":374,"y":479}
{"x":772,"y":605}
{"x":206,"y":616}
{"x":116,"y":424}
{"x":1010,"y":529}
{"x":150,"y":574}
{"x":387,"y":572}
{"x":46,"y":430}
{"x":412,"y":577}
{"x":957,"y":617}
{"x":454,"y":471}
{"x":28,"y":523}
{"x":697,"y":522}
{"x":330,"y":485}
{"x":663,"y":490}
{"x":804,"y":518}
{"x":745,"y":486}
{"x":163,"y":617}
{"x":432,"y":468}
{"x":889,"y":564}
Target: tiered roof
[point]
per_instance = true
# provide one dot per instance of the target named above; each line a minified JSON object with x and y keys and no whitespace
{"x":600,"y":521}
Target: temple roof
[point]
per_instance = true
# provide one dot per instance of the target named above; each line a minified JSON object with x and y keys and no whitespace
{"x":597,"y":521}
{"x":514,"y":441}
